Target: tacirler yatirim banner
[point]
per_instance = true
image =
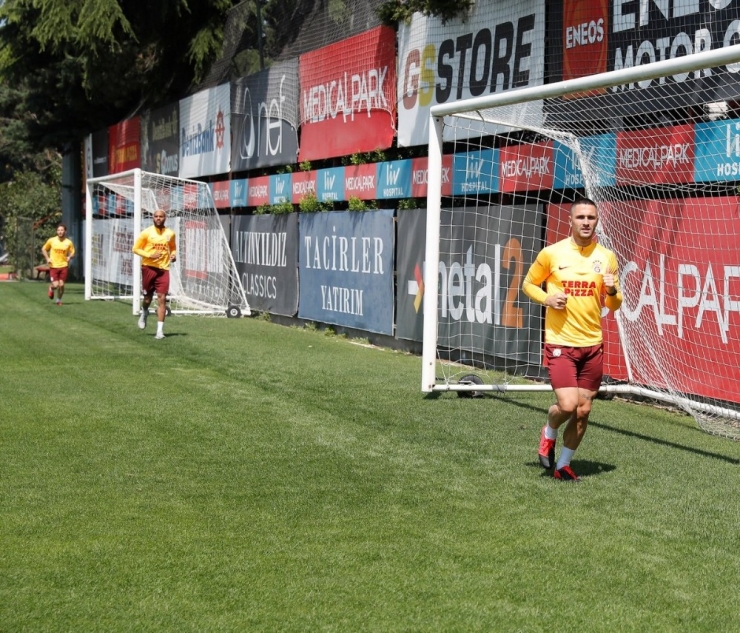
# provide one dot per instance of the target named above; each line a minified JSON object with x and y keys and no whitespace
{"x":160,"y":140}
{"x":346,"y":269}
{"x":588,"y":38}
{"x":264,"y":117}
{"x":500,"y":46}
{"x":265,"y":250}
{"x":205,"y":133}
{"x":410,"y":251}
{"x":485,"y":253}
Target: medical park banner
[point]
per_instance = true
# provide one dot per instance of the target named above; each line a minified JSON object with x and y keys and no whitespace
{"x":410,"y":253}
{"x":586,"y":38}
{"x":264,"y":117}
{"x":348,"y":96}
{"x":346,"y":269}
{"x":265,"y":250}
{"x":484,"y":253}
{"x":160,"y":140}
{"x":500,"y":46}
{"x":205,"y":133}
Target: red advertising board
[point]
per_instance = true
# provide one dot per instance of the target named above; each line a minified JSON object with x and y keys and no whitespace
{"x":303,"y":183}
{"x":420,"y":176}
{"x":124,"y":146}
{"x":680,"y":277}
{"x":258,"y":191}
{"x":663,"y":155}
{"x":585,"y":37}
{"x":348,"y":96}
{"x":526,"y":167}
{"x":221,"y":191}
{"x":360,"y":181}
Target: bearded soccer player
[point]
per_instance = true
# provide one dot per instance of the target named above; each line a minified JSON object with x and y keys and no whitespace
{"x":580,"y":276}
{"x":58,"y":252}
{"x":156,"y":246}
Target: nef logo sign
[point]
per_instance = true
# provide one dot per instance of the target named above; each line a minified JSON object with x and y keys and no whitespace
{"x":584,"y":37}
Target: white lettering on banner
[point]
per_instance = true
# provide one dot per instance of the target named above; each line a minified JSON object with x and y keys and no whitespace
{"x":165,"y":127}
{"x":272,"y":114}
{"x":421,"y":176}
{"x":528,"y":167}
{"x":693,"y":292}
{"x":654,"y":157}
{"x":204,"y":252}
{"x":346,"y":96}
{"x":585,"y":33}
{"x":732,"y":151}
{"x":359,"y":183}
{"x":221,"y":195}
{"x":258,"y":248}
{"x":260,"y":285}
{"x":344,"y":300}
{"x":258,"y":191}
{"x":167,"y":164}
{"x":345,"y":254}
{"x":304,"y":187}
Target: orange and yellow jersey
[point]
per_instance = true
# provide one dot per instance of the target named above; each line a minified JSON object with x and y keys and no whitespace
{"x":58,"y":251}
{"x":576,"y":271}
{"x":154,"y":240}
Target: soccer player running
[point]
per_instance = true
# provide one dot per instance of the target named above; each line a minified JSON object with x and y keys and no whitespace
{"x":156,"y":247}
{"x":578,"y":272}
{"x":58,"y":252}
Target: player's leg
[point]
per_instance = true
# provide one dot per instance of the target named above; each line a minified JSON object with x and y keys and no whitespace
{"x":147,"y":288}
{"x":564,"y":381}
{"x":53,"y":277}
{"x":162,"y":286}
{"x":62,"y":277}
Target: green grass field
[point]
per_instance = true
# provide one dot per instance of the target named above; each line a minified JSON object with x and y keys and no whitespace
{"x":245,"y":476}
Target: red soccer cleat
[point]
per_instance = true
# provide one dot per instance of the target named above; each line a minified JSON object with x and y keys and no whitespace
{"x":51,"y":292}
{"x":566,"y":474}
{"x":546,"y":451}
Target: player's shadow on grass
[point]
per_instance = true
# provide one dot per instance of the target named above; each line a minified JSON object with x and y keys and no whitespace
{"x":585,"y":468}
{"x":633,"y":434}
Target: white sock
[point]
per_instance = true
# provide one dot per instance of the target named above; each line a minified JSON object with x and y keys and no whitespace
{"x":160,"y":327}
{"x":550,"y":433}
{"x":566,"y":454}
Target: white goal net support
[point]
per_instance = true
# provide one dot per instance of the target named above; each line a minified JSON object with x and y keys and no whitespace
{"x":657,"y":147}
{"x":203,"y":279}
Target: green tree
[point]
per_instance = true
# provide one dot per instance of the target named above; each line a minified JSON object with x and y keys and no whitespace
{"x":85,"y":64}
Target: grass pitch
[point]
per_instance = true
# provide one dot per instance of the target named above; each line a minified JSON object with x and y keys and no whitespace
{"x":244,"y":476}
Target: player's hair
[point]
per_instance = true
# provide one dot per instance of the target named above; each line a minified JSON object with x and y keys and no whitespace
{"x":583,"y":200}
{"x":64,"y":226}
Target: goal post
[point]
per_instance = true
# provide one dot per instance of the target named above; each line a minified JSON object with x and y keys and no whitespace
{"x":657,"y":147}
{"x":203,"y":278}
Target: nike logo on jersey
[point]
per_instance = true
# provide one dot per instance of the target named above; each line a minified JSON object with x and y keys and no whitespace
{"x":563,"y":267}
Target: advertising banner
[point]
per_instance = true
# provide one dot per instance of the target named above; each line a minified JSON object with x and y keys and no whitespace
{"x":112,"y":259}
{"x":475,"y":172}
{"x":279,"y":188}
{"x":661,"y":156}
{"x":265,"y":249}
{"x":717,"y":151}
{"x":500,"y":46}
{"x":221,"y":193}
{"x":526,"y":167}
{"x":420,"y":176}
{"x":303,"y":184}
{"x":587,"y":37}
{"x":346,"y":269}
{"x":258,"y":191}
{"x":264,"y":117}
{"x":410,"y":253}
{"x":484,"y":254}
{"x":348,"y":96}
{"x":100,"y":153}
{"x":360,"y":181}
{"x":160,"y":141}
{"x":394,"y":179}
{"x":205,"y":133}
{"x":330,"y":184}
{"x":124,"y":144}
{"x":238,"y":193}
{"x":601,"y":153}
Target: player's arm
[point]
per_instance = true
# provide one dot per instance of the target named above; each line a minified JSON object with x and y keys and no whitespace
{"x":141,"y":244}
{"x":536,"y":276}
{"x":45,"y":251}
{"x":70,"y":252}
{"x":173,"y":248}
{"x":613,"y":299}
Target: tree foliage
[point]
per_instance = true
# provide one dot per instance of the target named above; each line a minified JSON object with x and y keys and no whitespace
{"x":86,"y":64}
{"x":394,"y":11}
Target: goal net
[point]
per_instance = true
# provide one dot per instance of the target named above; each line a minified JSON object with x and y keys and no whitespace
{"x":203,"y":279}
{"x":657,"y":147}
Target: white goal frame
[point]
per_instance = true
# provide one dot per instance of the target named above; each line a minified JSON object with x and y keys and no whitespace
{"x":136,"y":193}
{"x":472,"y":109}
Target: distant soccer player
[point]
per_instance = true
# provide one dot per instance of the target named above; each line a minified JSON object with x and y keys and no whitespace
{"x":578,"y":272}
{"x":156,"y":246}
{"x":58,"y":252}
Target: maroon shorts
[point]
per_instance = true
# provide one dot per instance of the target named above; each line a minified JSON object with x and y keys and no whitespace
{"x":575,"y":366}
{"x":58,"y":274}
{"x":154,"y":280}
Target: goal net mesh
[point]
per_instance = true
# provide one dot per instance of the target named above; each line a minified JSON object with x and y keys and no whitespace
{"x":203,"y":279}
{"x":661,"y":158}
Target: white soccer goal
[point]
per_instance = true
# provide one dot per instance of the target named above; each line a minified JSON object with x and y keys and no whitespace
{"x":657,"y":146}
{"x":203,"y":280}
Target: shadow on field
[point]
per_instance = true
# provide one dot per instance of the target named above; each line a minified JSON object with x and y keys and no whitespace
{"x":655,"y":440}
{"x":584,"y":468}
